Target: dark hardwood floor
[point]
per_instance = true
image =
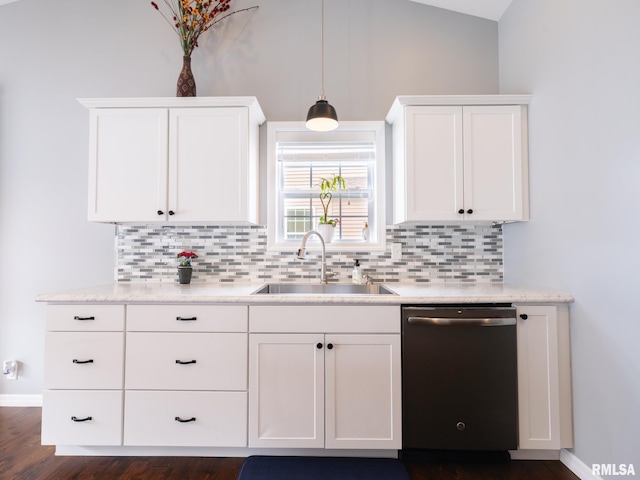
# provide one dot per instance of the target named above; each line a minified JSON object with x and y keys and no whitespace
{"x":23,"y":458}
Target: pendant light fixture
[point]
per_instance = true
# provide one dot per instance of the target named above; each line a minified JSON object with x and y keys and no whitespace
{"x":322,"y":116}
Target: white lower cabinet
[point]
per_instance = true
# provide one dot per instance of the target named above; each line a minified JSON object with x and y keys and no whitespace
{"x":185,"y":418}
{"x":544,"y":378}
{"x":324,"y":390}
{"x":181,"y":380}
{"x":186,"y":376}
{"x":83,"y":375}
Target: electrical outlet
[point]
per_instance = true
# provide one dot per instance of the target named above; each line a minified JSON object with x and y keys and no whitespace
{"x":396,"y":251}
{"x":10,"y":369}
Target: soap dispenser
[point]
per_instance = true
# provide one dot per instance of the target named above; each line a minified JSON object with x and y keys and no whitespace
{"x":356,"y":275}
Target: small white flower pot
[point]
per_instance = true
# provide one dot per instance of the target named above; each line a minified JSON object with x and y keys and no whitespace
{"x":326,"y":230}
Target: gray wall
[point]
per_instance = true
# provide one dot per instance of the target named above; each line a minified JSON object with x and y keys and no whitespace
{"x":53,"y":52}
{"x":580,"y":61}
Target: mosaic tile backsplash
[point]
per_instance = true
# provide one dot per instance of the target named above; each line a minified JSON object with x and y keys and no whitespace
{"x":227,"y":254}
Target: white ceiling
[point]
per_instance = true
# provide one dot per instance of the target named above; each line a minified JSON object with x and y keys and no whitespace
{"x":491,"y":9}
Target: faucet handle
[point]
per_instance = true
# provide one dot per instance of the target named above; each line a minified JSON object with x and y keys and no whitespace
{"x":367,"y":280}
{"x":331,"y":274}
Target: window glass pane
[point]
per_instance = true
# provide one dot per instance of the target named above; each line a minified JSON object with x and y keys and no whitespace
{"x":296,"y":177}
{"x":301,"y":168}
{"x":351,"y":228}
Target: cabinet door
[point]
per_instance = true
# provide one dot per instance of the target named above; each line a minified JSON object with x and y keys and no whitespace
{"x":209,"y":164}
{"x":286,"y":390}
{"x":433,"y":176}
{"x":128,"y":164}
{"x":539,"y":389}
{"x":493,"y":163}
{"x":363,"y":391}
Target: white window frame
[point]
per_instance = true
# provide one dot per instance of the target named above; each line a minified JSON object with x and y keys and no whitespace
{"x":347,"y":131}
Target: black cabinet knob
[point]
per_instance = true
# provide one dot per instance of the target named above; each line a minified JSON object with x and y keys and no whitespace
{"x":330,"y":346}
{"x":160,"y":212}
{"x":524,"y":316}
{"x":470,"y":211}
{"x":319,"y":346}
{"x":461,"y":211}
{"x":171,"y":212}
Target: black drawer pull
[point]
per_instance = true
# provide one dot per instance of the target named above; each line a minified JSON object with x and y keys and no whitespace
{"x":192,"y":419}
{"x":182,"y":362}
{"x":76,"y":419}
{"x":186,"y":319}
{"x":75,"y":360}
{"x":82,"y":319}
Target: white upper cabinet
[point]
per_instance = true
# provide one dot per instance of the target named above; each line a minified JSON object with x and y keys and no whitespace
{"x":177,"y":160}
{"x":455,"y":162}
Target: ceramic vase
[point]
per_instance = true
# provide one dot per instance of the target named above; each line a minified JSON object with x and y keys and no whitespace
{"x":186,"y":83}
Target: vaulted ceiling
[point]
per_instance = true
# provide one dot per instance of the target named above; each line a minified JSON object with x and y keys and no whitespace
{"x":490,"y":9}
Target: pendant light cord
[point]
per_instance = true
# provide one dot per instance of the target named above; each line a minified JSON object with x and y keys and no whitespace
{"x":322,"y":97}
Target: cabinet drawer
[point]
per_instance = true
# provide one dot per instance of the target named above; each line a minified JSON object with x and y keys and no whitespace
{"x":101,"y":409}
{"x":208,"y":419}
{"x":324,"y":319}
{"x":103,"y":318}
{"x":84,"y":360}
{"x":159,"y":361}
{"x":187,"y":318}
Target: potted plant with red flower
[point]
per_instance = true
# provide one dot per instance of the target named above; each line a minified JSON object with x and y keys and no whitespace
{"x":184,"y":269}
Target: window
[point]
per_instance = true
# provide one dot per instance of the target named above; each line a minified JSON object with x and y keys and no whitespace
{"x":297,"y":161}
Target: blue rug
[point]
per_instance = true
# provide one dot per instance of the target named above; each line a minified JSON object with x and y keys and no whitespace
{"x":322,"y":468}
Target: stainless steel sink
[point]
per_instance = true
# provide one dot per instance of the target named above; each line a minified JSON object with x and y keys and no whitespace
{"x":322,"y":289}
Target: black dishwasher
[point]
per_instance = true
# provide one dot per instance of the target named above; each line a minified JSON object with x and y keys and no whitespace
{"x":459,"y":378}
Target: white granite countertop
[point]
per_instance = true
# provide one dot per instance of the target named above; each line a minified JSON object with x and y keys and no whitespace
{"x":435,"y":293}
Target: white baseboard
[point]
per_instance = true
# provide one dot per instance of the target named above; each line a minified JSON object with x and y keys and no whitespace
{"x":577,"y":466}
{"x":20,"y":400}
{"x":534,"y":454}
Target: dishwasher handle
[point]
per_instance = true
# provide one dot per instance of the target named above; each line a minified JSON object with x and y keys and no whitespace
{"x":462,"y":322}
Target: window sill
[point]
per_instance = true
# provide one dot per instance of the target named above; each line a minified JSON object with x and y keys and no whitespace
{"x":314,"y":245}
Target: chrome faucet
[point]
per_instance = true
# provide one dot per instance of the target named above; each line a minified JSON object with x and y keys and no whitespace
{"x":323,"y":267}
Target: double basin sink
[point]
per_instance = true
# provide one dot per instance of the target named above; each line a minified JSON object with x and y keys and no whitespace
{"x":322,"y":289}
